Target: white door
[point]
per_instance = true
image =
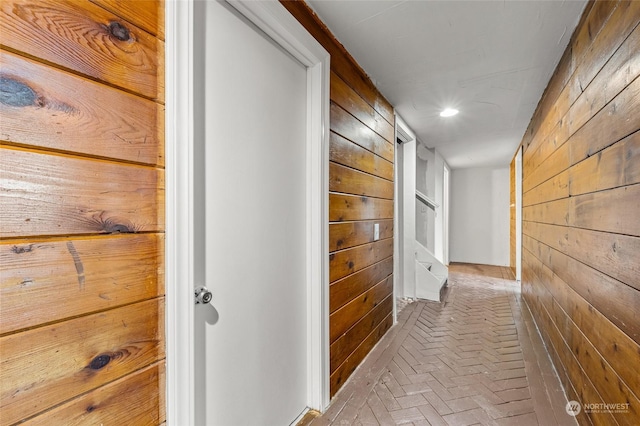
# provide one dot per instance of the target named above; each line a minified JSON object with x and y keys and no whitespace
{"x":251,"y":342}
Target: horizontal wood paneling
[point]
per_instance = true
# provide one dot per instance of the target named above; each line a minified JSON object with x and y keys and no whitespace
{"x":554,"y":212}
{"x":614,"y":32}
{"x":57,"y":195}
{"x":553,"y":189}
{"x":361,"y":192}
{"x":575,"y":74}
{"x":349,"y":127}
{"x":351,"y":207}
{"x":140,"y":392}
{"x":146,"y":14}
{"x":595,"y":211}
{"x":618,"y":165}
{"x":580,"y":380}
{"x":615,"y":255}
{"x":48,"y":365}
{"x":581,"y":243}
{"x":82,"y":217}
{"x":343,"y":151}
{"x":102,"y":122}
{"x":618,"y":73}
{"x":350,"y":101}
{"x":76,"y":276}
{"x":343,"y":290}
{"x":86,"y":39}
{"x":348,"y":315}
{"x":345,"y":262}
{"x":555,"y":163}
{"x":614,"y":345}
{"x":350,"y":181}
{"x":342,"y":373}
{"x":588,"y":78}
{"x":598,"y":13}
{"x":576,"y":321}
{"x":343,"y":235}
{"x":599,"y":370}
{"x":616,"y":301}
{"x":618,"y":119}
{"x":349,"y":341}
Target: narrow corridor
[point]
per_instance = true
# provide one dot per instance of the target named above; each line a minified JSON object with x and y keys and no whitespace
{"x":473,"y":359}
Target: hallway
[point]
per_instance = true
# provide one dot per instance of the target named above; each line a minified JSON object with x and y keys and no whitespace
{"x":474,"y":359}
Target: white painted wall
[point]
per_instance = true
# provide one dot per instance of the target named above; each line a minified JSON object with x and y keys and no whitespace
{"x":438,"y":179}
{"x":479,"y":228}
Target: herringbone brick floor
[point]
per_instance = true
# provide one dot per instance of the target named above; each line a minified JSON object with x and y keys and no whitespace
{"x":469,"y":360}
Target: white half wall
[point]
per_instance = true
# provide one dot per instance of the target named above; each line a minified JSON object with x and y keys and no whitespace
{"x":479,"y":231}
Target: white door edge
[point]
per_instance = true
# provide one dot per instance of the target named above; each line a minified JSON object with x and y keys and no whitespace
{"x":272,"y":18}
{"x":179,"y":196}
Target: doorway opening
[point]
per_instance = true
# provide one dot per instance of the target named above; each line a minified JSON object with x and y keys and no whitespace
{"x":184,"y":270}
{"x":404,"y":218}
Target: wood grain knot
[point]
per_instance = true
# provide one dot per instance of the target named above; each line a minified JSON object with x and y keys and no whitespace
{"x":22,"y":249}
{"x":112,"y":225}
{"x":119,"y":31}
{"x":100,"y":361}
{"x":119,"y":228}
{"x":15,"y":93}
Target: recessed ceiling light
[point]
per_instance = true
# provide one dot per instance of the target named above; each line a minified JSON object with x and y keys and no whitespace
{"x":448,"y":112}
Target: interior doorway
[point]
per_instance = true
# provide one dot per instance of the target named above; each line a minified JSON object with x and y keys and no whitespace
{"x":251,"y":266}
{"x":404,"y":219}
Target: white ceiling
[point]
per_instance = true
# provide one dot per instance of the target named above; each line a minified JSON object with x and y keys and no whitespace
{"x":489,"y":59}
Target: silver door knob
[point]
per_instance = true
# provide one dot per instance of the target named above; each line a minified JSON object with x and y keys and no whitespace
{"x":203,"y":295}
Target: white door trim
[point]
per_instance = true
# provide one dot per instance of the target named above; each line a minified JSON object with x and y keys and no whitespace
{"x":179,"y":196}
{"x":404,"y":223}
{"x":272,"y":18}
{"x":446,"y":193}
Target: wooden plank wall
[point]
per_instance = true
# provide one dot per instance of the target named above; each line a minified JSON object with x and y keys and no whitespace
{"x":82,"y":217}
{"x":361,"y":194}
{"x":581,"y":243}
